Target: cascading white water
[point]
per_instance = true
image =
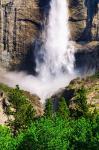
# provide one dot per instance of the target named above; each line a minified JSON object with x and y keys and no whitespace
{"x":56,"y":69}
{"x":58,"y":55}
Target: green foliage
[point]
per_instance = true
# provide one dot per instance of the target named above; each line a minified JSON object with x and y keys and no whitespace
{"x":95,"y":76}
{"x":81,"y":103}
{"x":63,"y":110}
{"x":81,"y":99}
{"x":7,"y":142}
{"x":23,"y":110}
{"x":61,"y":134}
{"x":5,"y":88}
{"x":54,"y":134}
{"x":85,"y":134}
{"x":49,"y":108}
{"x":50,"y":132}
{"x":46,"y":134}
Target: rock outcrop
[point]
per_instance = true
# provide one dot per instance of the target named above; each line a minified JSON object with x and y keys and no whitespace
{"x":90,"y":84}
{"x":3,"y":116}
{"x":77,"y":18}
{"x":84,"y":25}
{"x":84,"y":18}
{"x":19,"y":26}
{"x":87,"y":56}
{"x":7,"y":108}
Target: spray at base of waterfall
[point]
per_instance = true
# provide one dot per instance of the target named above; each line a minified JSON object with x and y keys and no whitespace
{"x":44,"y":89}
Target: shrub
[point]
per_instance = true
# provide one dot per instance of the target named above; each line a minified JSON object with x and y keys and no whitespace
{"x":7,"y":142}
{"x":54,"y":134}
{"x":80,"y":101}
{"x":24,"y":112}
{"x":60,"y":134}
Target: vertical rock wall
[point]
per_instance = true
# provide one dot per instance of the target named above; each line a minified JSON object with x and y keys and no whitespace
{"x":84,"y":19}
{"x":19,"y":26}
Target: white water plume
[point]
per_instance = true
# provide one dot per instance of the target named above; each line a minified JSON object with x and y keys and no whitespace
{"x":57,"y":51}
{"x":56,"y":69}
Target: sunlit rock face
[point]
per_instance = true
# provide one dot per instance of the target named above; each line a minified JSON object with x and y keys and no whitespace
{"x":77,"y":18}
{"x":84,"y":19}
{"x":19,"y":26}
{"x":84,"y":26}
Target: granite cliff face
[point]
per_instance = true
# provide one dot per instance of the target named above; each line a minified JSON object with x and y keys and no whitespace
{"x":21,"y":22}
{"x":84,"y":25}
{"x":19,"y":26}
{"x":84,"y":20}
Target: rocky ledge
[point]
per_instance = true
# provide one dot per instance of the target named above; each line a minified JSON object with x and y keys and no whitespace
{"x":87,"y":56}
{"x":91,"y":86}
{"x":8,"y":108}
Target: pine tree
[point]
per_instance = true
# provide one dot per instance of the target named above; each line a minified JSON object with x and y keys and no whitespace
{"x":49,"y":108}
{"x":81,"y":102}
{"x":63,"y":109}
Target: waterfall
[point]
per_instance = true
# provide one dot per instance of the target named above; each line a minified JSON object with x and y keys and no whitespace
{"x":57,"y":53}
{"x":54,"y":60}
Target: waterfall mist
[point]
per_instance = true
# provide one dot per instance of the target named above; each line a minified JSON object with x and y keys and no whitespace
{"x":54,"y":60}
